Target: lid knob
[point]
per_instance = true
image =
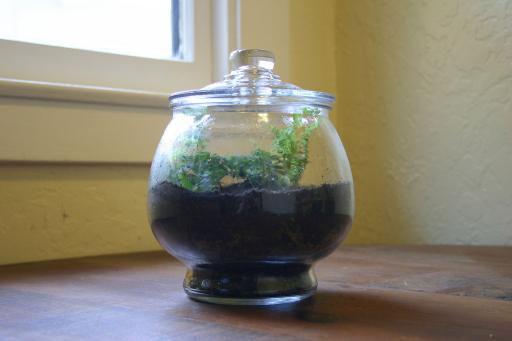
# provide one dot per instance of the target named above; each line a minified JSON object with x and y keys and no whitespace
{"x":252,"y":57}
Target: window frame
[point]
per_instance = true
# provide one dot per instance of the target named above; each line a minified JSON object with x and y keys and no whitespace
{"x":61,"y":65}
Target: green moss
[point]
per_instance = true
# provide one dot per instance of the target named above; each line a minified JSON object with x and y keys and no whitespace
{"x":199,"y":170}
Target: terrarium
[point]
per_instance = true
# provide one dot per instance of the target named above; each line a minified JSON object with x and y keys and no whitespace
{"x":250,"y":185}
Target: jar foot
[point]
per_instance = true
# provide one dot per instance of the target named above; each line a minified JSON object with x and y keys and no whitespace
{"x":250,"y":284}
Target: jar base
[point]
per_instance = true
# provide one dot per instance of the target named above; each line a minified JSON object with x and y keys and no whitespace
{"x":249,"y":301}
{"x":250,"y":284}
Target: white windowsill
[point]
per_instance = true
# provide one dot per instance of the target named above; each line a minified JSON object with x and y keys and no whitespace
{"x":81,"y":93}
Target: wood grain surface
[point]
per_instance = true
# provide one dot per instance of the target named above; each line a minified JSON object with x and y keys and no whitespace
{"x":374,"y":293}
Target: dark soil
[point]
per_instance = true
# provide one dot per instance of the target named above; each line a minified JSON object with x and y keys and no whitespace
{"x":247,"y":227}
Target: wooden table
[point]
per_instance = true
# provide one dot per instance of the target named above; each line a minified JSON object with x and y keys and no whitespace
{"x":416,"y":292}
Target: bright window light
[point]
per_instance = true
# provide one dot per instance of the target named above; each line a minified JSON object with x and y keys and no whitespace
{"x":148,"y":28}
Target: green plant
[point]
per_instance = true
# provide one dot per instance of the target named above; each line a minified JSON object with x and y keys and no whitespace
{"x":196,"y":169}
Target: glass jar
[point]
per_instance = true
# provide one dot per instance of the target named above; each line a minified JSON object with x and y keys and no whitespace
{"x":250,"y":185}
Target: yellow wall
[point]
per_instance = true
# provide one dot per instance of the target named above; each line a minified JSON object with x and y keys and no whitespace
{"x":425,"y":105}
{"x":424,"y":108}
{"x":312,"y":45}
{"x":60,"y":211}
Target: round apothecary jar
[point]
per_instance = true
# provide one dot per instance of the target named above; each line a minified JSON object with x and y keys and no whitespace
{"x":250,"y":185}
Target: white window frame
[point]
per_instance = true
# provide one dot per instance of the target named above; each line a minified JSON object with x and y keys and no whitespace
{"x":67,"y":105}
{"x":61,"y":65}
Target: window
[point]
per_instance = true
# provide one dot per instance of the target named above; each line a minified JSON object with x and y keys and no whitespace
{"x":112,"y":26}
{"x":76,"y":103}
{"x":129,"y":44}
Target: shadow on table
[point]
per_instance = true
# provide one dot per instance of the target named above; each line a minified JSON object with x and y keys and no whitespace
{"x":353,"y":313}
{"x":325,"y":307}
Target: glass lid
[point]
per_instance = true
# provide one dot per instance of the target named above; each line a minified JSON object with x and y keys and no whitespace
{"x":251,"y":82}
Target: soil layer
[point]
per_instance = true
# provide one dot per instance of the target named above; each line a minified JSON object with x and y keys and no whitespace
{"x":247,"y":225}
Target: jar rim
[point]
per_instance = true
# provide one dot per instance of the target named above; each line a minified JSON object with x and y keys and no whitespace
{"x":261,"y":96}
